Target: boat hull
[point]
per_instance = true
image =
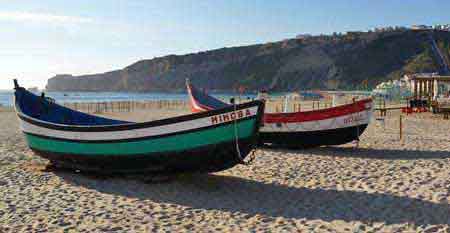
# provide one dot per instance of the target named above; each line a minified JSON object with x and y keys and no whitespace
{"x":210,"y":158}
{"x":312,"y":139}
{"x":318,"y":131}
{"x":208,"y":149}
{"x":203,"y":142}
{"x":331,"y":126}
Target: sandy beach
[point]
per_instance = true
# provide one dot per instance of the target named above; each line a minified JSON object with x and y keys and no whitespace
{"x":384,"y":185}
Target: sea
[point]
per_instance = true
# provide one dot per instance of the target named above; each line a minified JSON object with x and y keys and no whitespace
{"x":6,"y":96}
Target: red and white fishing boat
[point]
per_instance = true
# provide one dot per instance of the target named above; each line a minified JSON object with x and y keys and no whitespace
{"x":331,"y":126}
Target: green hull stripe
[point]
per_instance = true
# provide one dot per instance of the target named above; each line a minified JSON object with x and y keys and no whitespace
{"x":171,"y":143}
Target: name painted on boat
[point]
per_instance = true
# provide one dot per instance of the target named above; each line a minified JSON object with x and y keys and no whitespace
{"x":354,"y":118}
{"x":230,"y":116}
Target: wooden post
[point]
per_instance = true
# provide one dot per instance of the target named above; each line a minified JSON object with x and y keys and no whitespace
{"x":420,"y":89}
{"x":415,"y":88}
{"x":430,"y":90}
{"x":401,"y":127}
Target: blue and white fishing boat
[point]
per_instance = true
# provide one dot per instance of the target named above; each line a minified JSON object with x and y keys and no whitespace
{"x":209,"y":141}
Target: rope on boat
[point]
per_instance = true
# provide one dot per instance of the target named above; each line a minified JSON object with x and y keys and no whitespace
{"x":236,"y":136}
{"x":252,"y":158}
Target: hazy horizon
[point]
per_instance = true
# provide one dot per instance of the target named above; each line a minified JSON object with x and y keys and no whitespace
{"x":42,"y":39}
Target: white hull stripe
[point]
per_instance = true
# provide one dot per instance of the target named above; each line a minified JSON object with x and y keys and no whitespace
{"x":359,"y":118}
{"x":131,"y":134}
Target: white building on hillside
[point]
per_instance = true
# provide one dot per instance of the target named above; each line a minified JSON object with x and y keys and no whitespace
{"x":421,"y":27}
{"x":393,"y":90}
{"x":303,"y":36}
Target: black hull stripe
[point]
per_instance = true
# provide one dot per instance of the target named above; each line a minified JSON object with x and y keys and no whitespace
{"x":144,"y":138}
{"x":314,"y":138}
{"x":161,"y":122}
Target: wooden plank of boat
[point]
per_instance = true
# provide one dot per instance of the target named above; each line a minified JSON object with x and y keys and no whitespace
{"x":332,"y":126}
{"x":201,"y":142}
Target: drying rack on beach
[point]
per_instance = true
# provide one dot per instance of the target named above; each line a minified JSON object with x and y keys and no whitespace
{"x":383,"y":107}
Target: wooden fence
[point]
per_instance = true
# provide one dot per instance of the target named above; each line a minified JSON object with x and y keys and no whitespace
{"x":276,"y":104}
{"x":127,"y":106}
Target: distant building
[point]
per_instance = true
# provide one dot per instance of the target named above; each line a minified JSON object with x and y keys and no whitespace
{"x":390,"y":29}
{"x":355,"y":33}
{"x":382,"y":29}
{"x":393,"y":90}
{"x":421,"y":27}
{"x":444,"y":27}
{"x":303,"y":36}
{"x":438,"y":27}
{"x":401,"y":28}
{"x":428,"y":84}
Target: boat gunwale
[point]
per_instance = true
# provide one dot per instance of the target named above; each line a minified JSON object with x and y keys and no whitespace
{"x":327,"y":114}
{"x":366,"y":120}
{"x":137,"y":125}
{"x":289,"y":114}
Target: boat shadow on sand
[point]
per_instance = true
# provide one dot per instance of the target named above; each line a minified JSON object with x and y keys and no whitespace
{"x":251,"y":197}
{"x":367,"y":153}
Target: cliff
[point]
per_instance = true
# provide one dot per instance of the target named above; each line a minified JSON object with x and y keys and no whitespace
{"x":357,"y":60}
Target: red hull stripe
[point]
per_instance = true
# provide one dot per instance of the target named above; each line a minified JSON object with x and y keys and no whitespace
{"x":317,"y":115}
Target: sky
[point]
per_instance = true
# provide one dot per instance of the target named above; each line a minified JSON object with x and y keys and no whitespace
{"x":39,"y":39}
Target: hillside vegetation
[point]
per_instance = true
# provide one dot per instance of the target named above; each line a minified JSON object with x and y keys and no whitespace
{"x":357,"y":60}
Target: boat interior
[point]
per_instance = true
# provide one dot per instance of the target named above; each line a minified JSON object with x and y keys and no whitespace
{"x":44,"y":109}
